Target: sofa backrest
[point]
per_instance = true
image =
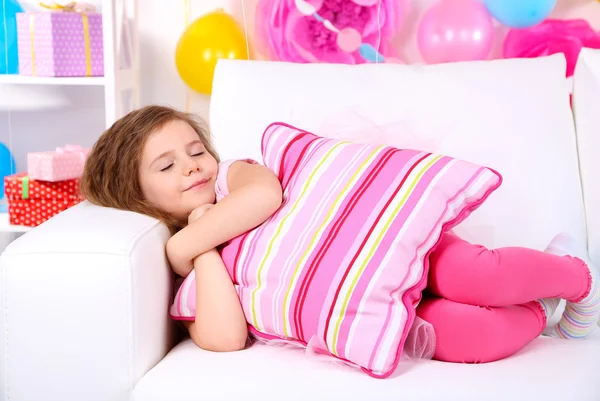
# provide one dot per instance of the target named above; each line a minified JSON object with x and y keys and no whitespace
{"x":586,"y":107}
{"x":512,"y":115}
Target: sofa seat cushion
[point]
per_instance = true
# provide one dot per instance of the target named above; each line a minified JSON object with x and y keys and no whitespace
{"x":547,"y":369}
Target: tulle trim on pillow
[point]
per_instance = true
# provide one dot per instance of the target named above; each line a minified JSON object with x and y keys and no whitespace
{"x":419,"y":345}
{"x":420,"y":342}
{"x":356,"y":124}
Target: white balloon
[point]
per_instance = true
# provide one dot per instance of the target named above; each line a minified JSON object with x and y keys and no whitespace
{"x":305,"y":8}
{"x":330,"y":26}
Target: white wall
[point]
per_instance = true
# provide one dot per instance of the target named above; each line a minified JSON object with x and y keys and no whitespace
{"x":38,"y":118}
{"x":71,"y":115}
{"x":162,"y":85}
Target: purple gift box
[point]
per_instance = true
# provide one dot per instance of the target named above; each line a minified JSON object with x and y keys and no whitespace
{"x":60,"y":44}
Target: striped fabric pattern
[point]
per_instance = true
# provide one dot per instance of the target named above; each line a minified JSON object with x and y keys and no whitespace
{"x":580,"y":318}
{"x":340,"y":267}
{"x":343,"y":262}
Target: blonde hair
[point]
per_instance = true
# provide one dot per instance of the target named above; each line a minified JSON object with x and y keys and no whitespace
{"x":111,"y":173}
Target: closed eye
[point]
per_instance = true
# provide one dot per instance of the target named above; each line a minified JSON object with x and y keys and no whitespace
{"x":166,"y":168}
{"x":198,"y":154}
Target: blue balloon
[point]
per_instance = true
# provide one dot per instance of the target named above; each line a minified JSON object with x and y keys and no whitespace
{"x":8,"y":42}
{"x":369,"y":53}
{"x":7,"y":166}
{"x":520,"y":13}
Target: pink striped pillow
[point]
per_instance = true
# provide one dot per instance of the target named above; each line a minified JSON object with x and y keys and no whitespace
{"x":343,"y":262}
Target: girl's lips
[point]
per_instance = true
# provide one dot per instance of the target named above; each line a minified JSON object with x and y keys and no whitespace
{"x":197,"y":184}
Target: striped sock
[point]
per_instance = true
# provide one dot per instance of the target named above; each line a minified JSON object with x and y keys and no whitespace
{"x":580,"y":318}
{"x":549,"y":305}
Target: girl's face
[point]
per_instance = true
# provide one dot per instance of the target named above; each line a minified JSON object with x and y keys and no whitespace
{"x":176,"y":173}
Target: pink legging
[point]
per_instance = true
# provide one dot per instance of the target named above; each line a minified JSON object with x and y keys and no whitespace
{"x":483,"y":306}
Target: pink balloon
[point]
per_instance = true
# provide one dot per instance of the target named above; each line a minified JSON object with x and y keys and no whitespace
{"x":349,"y":40}
{"x":365,"y":3}
{"x":455,"y":30}
{"x":394,"y":60}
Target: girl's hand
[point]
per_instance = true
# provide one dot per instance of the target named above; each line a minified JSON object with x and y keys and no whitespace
{"x":199,"y":211}
{"x":255,"y":194}
{"x":181,"y":264}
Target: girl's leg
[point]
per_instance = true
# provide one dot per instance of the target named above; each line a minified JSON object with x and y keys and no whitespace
{"x":580,"y":318}
{"x":472,"y":274}
{"x":476,"y":334}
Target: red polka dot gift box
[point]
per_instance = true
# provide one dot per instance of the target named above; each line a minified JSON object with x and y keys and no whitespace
{"x":31,"y":202}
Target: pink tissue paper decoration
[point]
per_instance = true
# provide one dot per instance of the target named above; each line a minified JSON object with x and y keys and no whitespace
{"x":285,"y":34}
{"x":65,"y":163}
{"x":55,"y":44}
{"x":550,"y":37}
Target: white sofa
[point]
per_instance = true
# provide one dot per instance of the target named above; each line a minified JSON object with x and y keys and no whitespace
{"x":84,"y":297}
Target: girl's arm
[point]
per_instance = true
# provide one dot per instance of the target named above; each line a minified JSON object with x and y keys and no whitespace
{"x":255,"y":193}
{"x":220,"y":324}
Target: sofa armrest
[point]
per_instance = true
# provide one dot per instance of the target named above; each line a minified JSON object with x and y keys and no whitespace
{"x":586,"y":109}
{"x":84,"y":302}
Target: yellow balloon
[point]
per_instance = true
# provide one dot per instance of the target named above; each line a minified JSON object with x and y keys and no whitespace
{"x":211,"y":37}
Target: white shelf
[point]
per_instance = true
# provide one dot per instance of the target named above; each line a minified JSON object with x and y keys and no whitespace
{"x":121,"y":80}
{"x":27,"y":80}
{"x":8,"y":228}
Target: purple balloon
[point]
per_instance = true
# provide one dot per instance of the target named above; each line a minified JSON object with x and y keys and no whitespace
{"x":455,"y":30}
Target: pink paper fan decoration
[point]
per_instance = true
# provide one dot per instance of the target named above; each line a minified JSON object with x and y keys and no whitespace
{"x":550,"y":37}
{"x":331,"y":31}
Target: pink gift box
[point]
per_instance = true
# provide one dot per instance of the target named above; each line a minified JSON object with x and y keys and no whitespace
{"x":65,"y":163}
{"x":60,"y":44}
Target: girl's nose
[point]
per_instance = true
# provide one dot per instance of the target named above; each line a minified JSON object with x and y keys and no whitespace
{"x":190,"y":168}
